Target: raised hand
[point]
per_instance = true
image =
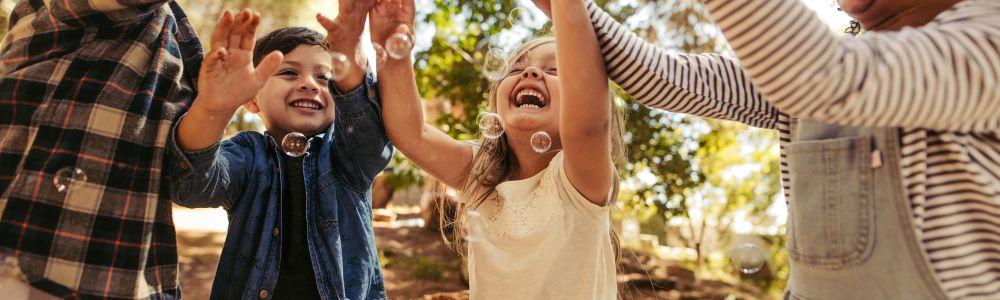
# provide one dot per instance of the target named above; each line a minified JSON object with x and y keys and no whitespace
{"x":343,"y":35}
{"x":389,"y":16}
{"x":228,"y":77}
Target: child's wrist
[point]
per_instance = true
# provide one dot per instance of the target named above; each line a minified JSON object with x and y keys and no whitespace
{"x":198,"y":107}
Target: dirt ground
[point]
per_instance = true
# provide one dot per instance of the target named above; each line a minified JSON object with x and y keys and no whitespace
{"x":415,"y":261}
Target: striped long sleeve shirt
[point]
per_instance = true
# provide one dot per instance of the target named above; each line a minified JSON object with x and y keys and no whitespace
{"x":938,"y":84}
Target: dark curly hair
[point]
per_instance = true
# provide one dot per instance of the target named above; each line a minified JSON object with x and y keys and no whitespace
{"x":285,"y":40}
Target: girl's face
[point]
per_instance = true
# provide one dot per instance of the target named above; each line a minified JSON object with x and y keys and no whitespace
{"x":528,"y":98}
{"x":297,"y":97}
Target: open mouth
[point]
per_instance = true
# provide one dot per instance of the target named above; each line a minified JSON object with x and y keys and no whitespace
{"x":306,"y":103}
{"x":531,"y":98}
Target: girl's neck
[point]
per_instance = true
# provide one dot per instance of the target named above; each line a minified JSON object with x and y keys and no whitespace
{"x":529,"y":162}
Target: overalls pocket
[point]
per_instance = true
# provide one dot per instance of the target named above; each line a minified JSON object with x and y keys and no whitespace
{"x":831,"y":211}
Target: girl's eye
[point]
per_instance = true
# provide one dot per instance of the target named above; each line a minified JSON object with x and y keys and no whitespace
{"x":288,"y":73}
{"x":324,"y":77}
{"x":513,"y":72}
{"x":552,"y":71}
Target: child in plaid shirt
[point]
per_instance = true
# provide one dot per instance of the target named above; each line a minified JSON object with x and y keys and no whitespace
{"x":91,"y":88}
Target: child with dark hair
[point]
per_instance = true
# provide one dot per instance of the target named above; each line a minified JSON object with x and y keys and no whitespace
{"x":299,"y":209}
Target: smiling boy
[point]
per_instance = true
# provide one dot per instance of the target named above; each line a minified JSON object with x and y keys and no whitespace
{"x":300,"y":225}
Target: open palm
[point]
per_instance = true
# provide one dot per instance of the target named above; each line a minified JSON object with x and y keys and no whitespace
{"x":228,"y":78}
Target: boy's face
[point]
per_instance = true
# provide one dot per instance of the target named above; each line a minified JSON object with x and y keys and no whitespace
{"x":297,"y":97}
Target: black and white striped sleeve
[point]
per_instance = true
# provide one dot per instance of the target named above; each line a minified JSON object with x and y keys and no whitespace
{"x":707,"y":85}
{"x":942,"y":76}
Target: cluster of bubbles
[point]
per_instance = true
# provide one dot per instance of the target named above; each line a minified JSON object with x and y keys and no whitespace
{"x":295,"y":144}
{"x":397,"y":46}
{"x":491,"y":126}
{"x":749,"y":258}
{"x":66,"y":177}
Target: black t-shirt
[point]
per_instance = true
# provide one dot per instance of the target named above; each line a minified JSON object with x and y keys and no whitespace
{"x":296,"y":279}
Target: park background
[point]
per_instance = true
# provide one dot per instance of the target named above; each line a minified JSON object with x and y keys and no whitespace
{"x":693,"y":191}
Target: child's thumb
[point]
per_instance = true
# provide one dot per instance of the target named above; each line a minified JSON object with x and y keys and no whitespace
{"x":269,"y":65}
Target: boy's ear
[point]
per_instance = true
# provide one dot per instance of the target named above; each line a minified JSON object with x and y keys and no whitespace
{"x":252,"y":106}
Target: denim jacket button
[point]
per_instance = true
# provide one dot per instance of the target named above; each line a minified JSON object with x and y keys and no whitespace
{"x":263,"y":294}
{"x":274,"y":232}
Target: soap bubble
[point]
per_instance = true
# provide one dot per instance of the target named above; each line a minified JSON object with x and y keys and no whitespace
{"x":494,"y":65}
{"x":749,"y":258}
{"x":541,"y":142}
{"x":295,"y":144}
{"x":65,"y":178}
{"x":490,"y":125}
{"x":341,"y":66}
{"x":521,"y":16}
{"x":399,"y":45}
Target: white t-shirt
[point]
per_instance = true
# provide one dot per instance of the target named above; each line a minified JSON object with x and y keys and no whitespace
{"x":542,"y":239}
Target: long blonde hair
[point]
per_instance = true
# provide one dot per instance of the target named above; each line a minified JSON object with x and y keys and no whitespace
{"x":494,"y":162}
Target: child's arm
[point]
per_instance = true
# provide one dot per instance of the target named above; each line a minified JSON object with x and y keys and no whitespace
{"x":343,"y":35}
{"x":706,"y":85}
{"x":942,"y":76}
{"x":433,"y":151}
{"x":226,"y":81}
{"x":584,"y":119}
{"x":206,"y":172}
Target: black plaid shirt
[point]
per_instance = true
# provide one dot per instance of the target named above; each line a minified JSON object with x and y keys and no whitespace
{"x":92,"y":85}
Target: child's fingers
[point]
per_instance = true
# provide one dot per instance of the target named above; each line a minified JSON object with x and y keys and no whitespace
{"x":220,"y":36}
{"x":269,"y":65}
{"x":215,"y":58}
{"x":248,"y":37}
{"x":236,"y":34}
{"x":324,"y":21}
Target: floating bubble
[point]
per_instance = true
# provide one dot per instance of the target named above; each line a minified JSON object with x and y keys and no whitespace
{"x":65,"y":178}
{"x":541,"y":142}
{"x":494,"y":65}
{"x":341,"y":66}
{"x":474,"y":231}
{"x":749,"y":258}
{"x":380,"y":55}
{"x":490,"y":125}
{"x":359,"y":57}
{"x":399,"y":45}
{"x":295,"y":144}
{"x":521,"y":16}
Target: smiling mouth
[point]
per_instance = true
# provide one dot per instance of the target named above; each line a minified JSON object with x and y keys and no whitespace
{"x":530,"y":98}
{"x":307,"y":104}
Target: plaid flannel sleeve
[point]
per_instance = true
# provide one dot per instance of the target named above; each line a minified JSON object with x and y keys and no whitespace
{"x":84,"y":13}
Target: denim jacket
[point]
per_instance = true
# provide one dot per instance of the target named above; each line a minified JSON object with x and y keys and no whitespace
{"x":245,"y":176}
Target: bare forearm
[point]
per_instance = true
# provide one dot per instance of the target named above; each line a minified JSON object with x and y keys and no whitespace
{"x":200,"y":129}
{"x":429,"y":148}
{"x":401,"y":110}
{"x":584,"y":83}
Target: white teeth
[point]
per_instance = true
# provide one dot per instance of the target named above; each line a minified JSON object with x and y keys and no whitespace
{"x":305,"y":104}
{"x":529,"y":92}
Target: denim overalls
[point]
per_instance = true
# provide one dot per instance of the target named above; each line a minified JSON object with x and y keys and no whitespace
{"x":850,"y":230}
